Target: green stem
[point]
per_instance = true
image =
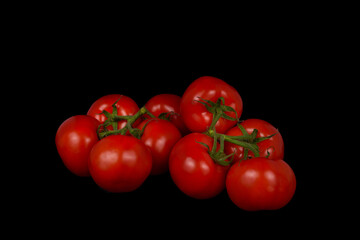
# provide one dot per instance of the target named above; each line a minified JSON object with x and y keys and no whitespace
{"x":252,"y":147}
{"x":215,"y":143}
{"x":216,"y":117}
{"x":239,"y":138}
{"x":245,"y":141}
{"x":119,"y":118}
{"x":130,"y":121}
{"x":148,"y":112}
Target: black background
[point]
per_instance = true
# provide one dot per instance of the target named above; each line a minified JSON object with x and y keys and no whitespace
{"x":275,"y":76}
{"x":288,"y":63}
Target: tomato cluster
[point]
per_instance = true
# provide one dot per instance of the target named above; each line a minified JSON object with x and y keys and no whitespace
{"x":198,"y":138}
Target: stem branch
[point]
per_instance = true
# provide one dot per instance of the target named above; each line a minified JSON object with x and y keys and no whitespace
{"x":243,"y":141}
{"x":130,"y":121}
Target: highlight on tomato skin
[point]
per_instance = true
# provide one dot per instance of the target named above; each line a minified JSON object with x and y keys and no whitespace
{"x":196,"y":117}
{"x":260,"y":184}
{"x":192,"y":169}
{"x":74,"y":140}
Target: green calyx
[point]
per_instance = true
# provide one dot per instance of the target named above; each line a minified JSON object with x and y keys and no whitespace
{"x":113,"y":119}
{"x":219,"y":156}
{"x":218,"y":109}
{"x":167,"y":115}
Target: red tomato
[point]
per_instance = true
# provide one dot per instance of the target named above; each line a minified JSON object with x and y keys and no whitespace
{"x":120,"y":163}
{"x":74,"y":139}
{"x":160,"y":136}
{"x":125,"y":107}
{"x":274,"y":146}
{"x":193,"y":170}
{"x":196,"y":117}
{"x":260,"y":184}
{"x":168,"y":103}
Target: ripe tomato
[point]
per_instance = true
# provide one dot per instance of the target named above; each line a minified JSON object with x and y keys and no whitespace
{"x":160,"y":136}
{"x":260,"y":184}
{"x":167,"y":103}
{"x":125,"y":107}
{"x":193,"y":170}
{"x":74,"y":139}
{"x":274,"y":146}
{"x":196,"y":117}
{"x":119,"y":163}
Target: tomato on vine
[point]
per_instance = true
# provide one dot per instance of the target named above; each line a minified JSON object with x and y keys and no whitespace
{"x":193,"y":169}
{"x":272,"y":148}
{"x":209,"y":100}
{"x":260,"y":184}
{"x":74,"y":139}
{"x":124,"y":106}
{"x":120,"y":163}
{"x":159,"y":136}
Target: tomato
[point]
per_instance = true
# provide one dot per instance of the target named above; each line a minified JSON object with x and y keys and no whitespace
{"x":125,"y":107}
{"x":159,"y":136}
{"x":273,"y":147}
{"x":74,"y":139}
{"x":193,"y":170}
{"x":260,"y":184}
{"x":120,"y":163}
{"x":163,"y":103}
{"x":196,"y":117}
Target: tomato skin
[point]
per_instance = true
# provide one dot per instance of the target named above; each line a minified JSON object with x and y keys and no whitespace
{"x":196,"y":117}
{"x":120,"y":163}
{"x":168,"y":103}
{"x":193,"y":170}
{"x":159,"y":136}
{"x":125,"y":107}
{"x":74,"y":139}
{"x":273,"y":145}
{"x":260,"y":184}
